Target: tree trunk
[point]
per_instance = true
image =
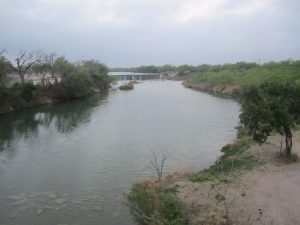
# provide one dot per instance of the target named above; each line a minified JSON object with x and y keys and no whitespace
{"x":288,"y":143}
{"x":22,"y":76}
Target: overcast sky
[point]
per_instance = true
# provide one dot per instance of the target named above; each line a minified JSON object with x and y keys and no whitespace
{"x":144,"y":32}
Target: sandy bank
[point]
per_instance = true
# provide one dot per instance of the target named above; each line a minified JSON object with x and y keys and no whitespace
{"x":268,"y":194}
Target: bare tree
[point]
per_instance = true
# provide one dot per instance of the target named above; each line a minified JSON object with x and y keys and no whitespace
{"x":24,"y":62}
{"x":158,"y":163}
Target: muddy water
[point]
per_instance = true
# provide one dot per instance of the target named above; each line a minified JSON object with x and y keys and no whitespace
{"x":71,"y":163}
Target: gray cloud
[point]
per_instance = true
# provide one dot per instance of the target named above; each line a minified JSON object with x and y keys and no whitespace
{"x":140,"y":32}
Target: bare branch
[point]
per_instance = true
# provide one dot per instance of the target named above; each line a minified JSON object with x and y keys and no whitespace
{"x":24,"y":62}
{"x":158,"y":164}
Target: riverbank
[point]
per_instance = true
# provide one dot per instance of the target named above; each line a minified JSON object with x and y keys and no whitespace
{"x":267,"y":194}
{"x":249,"y":184}
{"x":228,"y":90}
{"x":29,"y":96}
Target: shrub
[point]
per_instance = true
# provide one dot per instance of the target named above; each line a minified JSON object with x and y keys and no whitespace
{"x":141,"y":201}
{"x":78,"y":85}
{"x":27,"y":91}
{"x":152,"y":207}
{"x":172,"y":211}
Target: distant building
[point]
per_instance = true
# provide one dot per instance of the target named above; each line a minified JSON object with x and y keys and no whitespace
{"x":169,"y":74}
{"x":34,"y":78}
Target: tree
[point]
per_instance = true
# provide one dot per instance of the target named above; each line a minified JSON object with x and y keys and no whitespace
{"x":24,"y":62}
{"x":158,"y":163}
{"x":63,"y":68}
{"x":78,"y":85}
{"x":272,"y":106}
{"x":5,"y":68}
{"x":97,"y":73}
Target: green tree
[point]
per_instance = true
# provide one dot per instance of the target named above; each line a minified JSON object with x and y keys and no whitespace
{"x":272,"y":106}
{"x":97,"y":72}
{"x":63,"y":68}
{"x":5,"y":68}
{"x":78,"y":85}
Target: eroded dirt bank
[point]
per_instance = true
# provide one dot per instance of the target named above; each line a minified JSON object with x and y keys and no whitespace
{"x":227,"y":90}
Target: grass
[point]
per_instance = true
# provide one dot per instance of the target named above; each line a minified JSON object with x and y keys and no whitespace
{"x":233,"y":160}
{"x":153,"y":205}
{"x":290,"y":159}
{"x":219,"y":197}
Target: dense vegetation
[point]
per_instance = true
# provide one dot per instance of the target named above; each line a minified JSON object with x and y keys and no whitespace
{"x":181,"y":70}
{"x":270,"y":99}
{"x":269,"y":93}
{"x":274,"y":105}
{"x":152,"y":203}
{"x":59,"y":80}
{"x":245,"y":74}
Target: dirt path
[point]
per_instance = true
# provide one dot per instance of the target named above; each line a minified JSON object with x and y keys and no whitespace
{"x":269,"y":194}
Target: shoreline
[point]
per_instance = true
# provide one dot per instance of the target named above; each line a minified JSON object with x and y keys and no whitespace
{"x":251,"y":184}
{"x":231,"y":91}
{"x":259,"y":195}
{"x":46,"y":100}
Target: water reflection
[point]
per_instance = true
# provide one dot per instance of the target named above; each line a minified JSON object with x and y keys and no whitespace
{"x":64,"y":117}
{"x":72,"y":162}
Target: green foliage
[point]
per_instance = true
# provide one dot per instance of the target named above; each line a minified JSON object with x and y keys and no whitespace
{"x":142,"y":203}
{"x":272,"y":106}
{"x":18,"y":96}
{"x":28,"y":91}
{"x":244,"y":74}
{"x":5,"y":68}
{"x":219,"y":197}
{"x":269,"y":93}
{"x":172,"y":211}
{"x":63,"y":67}
{"x":233,"y":160}
{"x":152,"y":207}
{"x":171,"y":189}
{"x":78,"y":85}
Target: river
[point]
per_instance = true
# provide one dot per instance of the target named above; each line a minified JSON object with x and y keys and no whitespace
{"x":71,"y":163}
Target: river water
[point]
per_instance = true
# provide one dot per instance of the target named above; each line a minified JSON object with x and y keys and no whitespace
{"x":71,"y":163}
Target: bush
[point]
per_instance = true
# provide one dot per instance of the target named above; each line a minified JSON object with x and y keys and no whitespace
{"x":128,"y":86}
{"x":78,"y":85}
{"x":152,"y":207}
{"x":234,"y":159}
{"x":172,"y":210}
{"x":142,"y":203}
{"x":27,"y":91}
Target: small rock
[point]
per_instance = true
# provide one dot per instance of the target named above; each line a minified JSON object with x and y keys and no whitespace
{"x":13,"y":215}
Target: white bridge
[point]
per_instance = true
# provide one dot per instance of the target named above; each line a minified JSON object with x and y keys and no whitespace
{"x":135,"y":76}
